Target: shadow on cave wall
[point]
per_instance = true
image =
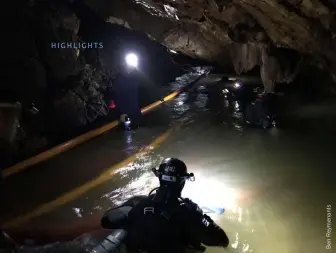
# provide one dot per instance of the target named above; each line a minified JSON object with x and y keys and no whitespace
{"x":311,"y":84}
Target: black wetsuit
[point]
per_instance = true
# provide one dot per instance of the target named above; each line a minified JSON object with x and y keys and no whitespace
{"x":126,"y":93}
{"x":158,"y":225}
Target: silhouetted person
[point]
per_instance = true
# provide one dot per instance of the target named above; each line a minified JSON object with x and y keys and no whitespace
{"x":126,"y":92}
{"x":164,"y":222}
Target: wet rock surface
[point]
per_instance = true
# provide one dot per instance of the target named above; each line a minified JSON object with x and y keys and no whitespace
{"x":65,"y":86}
{"x":275,"y":36}
{"x":285,"y":40}
{"x":84,"y":102}
{"x":68,"y":87}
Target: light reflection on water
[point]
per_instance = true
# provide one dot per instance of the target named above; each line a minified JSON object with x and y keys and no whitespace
{"x":266,"y":182}
{"x":137,"y":186}
{"x":208,"y":190}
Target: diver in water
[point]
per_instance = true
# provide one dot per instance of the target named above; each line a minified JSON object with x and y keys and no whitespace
{"x":126,"y":93}
{"x":159,"y":223}
{"x":165,"y":222}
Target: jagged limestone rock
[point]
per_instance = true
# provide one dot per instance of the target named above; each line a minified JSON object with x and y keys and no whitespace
{"x":206,"y":29}
{"x":84,"y":102}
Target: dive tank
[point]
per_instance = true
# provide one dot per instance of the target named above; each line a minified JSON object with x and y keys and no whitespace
{"x":111,"y":243}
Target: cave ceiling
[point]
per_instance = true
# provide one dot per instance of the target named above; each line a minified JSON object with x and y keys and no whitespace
{"x":242,"y":30}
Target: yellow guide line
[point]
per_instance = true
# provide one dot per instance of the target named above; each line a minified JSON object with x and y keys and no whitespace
{"x":79,"y":191}
{"x":76,"y":141}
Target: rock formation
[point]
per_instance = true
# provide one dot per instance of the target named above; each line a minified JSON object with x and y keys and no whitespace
{"x":84,"y":102}
{"x":283,"y":38}
{"x":279,"y":36}
{"x":65,"y":87}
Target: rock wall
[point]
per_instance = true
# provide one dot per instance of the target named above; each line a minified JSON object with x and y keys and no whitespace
{"x":9,"y":116}
{"x":269,"y":34}
{"x":65,"y":85}
{"x":84,"y":102}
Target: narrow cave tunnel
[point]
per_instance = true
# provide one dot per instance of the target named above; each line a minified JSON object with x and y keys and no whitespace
{"x":94,"y":94}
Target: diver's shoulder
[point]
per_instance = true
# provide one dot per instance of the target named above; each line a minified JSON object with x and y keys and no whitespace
{"x":135,"y":200}
{"x":191,"y":206}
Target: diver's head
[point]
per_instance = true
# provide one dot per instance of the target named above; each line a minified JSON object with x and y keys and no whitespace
{"x":172,"y":174}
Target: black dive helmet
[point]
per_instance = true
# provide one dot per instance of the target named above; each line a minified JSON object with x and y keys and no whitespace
{"x":172,"y":173}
